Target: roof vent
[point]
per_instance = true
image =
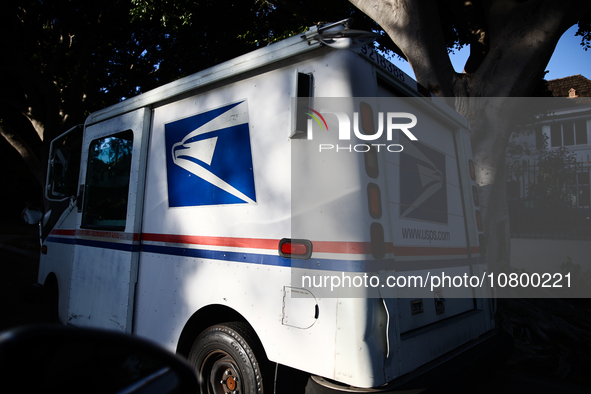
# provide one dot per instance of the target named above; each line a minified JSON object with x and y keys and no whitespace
{"x":339,"y":35}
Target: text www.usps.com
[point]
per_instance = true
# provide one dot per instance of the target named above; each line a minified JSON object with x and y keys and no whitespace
{"x":427,"y":235}
{"x":440,"y":280}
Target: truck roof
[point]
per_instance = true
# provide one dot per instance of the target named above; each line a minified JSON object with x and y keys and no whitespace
{"x":314,"y":38}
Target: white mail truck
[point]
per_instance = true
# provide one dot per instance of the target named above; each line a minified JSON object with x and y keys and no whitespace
{"x":220,"y":217}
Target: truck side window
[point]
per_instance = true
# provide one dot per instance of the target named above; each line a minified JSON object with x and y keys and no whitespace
{"x":107,"y":182}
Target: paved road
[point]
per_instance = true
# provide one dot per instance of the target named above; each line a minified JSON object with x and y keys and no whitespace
{"x":19,"y":307}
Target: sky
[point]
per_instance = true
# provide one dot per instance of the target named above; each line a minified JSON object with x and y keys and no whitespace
{"x":569,"y":58}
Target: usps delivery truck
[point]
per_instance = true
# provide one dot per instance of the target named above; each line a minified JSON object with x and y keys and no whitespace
{"x":214,"y":217}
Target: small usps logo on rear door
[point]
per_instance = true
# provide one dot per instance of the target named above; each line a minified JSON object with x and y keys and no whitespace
{"x":209,"y":159}
{"x":423,"y":185}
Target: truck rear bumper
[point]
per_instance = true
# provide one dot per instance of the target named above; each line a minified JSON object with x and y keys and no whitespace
{"x":487,"y":352}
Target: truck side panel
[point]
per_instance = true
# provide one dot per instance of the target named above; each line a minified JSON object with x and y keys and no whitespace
{"x":221,"y":247}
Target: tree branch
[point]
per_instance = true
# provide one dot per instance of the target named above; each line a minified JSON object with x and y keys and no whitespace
{"x":523,"y":36}
{"x":471,"y":20}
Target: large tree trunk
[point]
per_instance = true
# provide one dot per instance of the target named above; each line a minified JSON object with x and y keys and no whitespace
{"x":491,"y":123}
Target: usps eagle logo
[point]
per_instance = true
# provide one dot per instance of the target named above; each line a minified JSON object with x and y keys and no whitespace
{"x":209,"y":158}
{"x":423,"y":185}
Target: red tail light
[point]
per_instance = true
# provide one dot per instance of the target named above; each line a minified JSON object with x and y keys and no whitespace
{"x":374,"y":200}
{"x":475,"y":196}
{"x":366,"y":118}
{"x":295,"y":248}
{"x":478,"y":220}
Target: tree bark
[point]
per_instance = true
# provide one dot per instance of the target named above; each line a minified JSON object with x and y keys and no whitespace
{"x":491,"y":128}
{"x":415,"y":28}
{"x":24,"y":150}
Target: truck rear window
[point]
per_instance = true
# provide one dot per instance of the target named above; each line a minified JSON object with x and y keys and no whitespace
{"x":107,"y":182}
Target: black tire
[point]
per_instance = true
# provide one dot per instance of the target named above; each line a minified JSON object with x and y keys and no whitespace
{"x":229,"y":358}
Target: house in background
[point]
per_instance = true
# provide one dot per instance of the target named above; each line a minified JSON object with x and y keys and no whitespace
{"x":561,"y":137}
{"x":570,"y":126}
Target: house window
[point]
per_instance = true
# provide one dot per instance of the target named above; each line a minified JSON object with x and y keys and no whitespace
{"x":568,"y":133}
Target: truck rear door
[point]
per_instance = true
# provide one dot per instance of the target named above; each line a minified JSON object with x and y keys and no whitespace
{"x":425,"y":202}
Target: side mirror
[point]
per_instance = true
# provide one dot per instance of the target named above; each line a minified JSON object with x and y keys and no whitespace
{"x":76,"y":360}
{"x":32,"y":215}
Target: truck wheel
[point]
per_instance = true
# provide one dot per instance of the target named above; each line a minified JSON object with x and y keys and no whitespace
{"x":228,"y":359}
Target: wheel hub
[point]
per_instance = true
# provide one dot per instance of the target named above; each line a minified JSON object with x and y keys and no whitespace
{"x":230,"y":383}
{"x":224,"y":376}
